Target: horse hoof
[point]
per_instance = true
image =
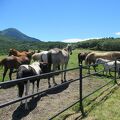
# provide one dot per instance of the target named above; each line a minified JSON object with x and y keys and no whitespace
{"x":49,"y":86}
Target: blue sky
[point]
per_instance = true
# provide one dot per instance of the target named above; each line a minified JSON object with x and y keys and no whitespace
{"x":62,"y":20}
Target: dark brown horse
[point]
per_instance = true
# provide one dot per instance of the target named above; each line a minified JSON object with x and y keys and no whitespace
{"x":13,"y":62}
{"x":82,"y":56}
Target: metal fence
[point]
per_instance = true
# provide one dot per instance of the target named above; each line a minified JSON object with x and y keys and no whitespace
{"x":80,"y":79}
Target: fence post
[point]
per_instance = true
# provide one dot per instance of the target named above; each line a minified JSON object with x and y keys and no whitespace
{"x":80,"y":91}
{"x":115,"y":81}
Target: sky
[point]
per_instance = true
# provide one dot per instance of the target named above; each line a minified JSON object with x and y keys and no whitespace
{"x":62,"y":20}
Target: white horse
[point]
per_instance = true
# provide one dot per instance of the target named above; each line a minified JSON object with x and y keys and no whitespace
{"x":109,"y":65}
{"x":55,"y":57}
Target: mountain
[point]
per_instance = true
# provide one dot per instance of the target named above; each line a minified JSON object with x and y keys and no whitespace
{"x":14,"y":33}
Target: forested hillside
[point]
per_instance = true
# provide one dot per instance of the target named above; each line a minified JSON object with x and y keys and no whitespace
{"x":8,"y":42}
{"x":106,"y":44}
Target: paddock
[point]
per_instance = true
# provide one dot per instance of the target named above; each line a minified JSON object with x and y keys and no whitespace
{"x":53,"y":102}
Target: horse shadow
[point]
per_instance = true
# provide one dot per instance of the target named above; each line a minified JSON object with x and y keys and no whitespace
{"x":21,"y":112}
{"x":58,"y":89}
{"x":7,"y":86}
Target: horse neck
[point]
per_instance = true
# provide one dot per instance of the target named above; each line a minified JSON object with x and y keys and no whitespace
{"x":16,"y":53}
{"x":67,"y":49}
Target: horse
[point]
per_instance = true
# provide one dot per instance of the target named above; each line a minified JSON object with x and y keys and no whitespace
{"x":82,"y":56}
{"x":36,"y":68}
{"x":55,"y":57}
{"x":41,"y":56}
{"x":109,"y":65}
{"x":60,"y":57}
{"x":19,"y":54}
{"x":91,"y":57}
{"x":12,"y":62}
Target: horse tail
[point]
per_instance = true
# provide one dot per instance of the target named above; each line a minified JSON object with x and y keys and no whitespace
{"x":79,"y":58}
{"x":49,"y":56}
{"x":2,"y":62}
{"x":20,"y":84}
{"x":20,"y":89}
{"x":87,"y":60}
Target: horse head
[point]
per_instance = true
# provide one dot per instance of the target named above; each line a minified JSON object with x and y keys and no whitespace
{"x":12,"y":52}
{"x":69,"y":49}
{"x":45,"y":68}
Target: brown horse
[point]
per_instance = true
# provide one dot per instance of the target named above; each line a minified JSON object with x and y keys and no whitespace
{"x":19,"y":54}
{"x":82,"y":56}
{"x":13,"y":62}
{"x":91,"y":57}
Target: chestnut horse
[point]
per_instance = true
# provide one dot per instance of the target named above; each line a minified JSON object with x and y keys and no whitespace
{"x":91,"y":57}
{"x":19,"y":54}
{"x":13,"y":62}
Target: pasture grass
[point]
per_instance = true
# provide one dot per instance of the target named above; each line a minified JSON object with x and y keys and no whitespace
{"x":103,"y":105}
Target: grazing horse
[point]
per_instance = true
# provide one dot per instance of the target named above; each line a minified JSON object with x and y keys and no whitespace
{"x":82,"y":56}
{"x":19,"y":54}
{"x":12,"y":62}
{"x":91,"y":57}
{"x":36,"y":68}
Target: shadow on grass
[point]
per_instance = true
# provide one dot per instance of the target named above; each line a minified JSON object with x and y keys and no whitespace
{"x":96,"y":101}
{"x":101,"y":98}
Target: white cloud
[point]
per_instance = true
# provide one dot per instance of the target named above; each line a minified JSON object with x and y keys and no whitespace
{"x":117,"y":33}
{"x":73,"y":40}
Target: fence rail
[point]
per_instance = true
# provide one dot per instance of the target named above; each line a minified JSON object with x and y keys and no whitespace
{"x":80,"y":78}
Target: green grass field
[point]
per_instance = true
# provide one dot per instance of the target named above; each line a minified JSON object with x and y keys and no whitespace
{"x":103,"y":105}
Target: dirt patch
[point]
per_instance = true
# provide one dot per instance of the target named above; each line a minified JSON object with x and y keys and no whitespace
{"x":42,"y":108}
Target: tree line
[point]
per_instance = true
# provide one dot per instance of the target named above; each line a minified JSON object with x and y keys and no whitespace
{"x":103,"y":44}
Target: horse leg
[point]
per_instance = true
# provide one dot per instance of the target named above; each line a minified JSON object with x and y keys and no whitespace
{"x":10,"y":73}
{"x":20,"y":90}
{"x":49,"y":85}
{"x":4,"y":74}
{"x":26,"y":93}
{"x":65,"y":73}
{"x":54,"y":68}
{"x":62,"y":74}
{"x":38,"y":81}
{"x":88,"y":69}
{"x":33,"y":86}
